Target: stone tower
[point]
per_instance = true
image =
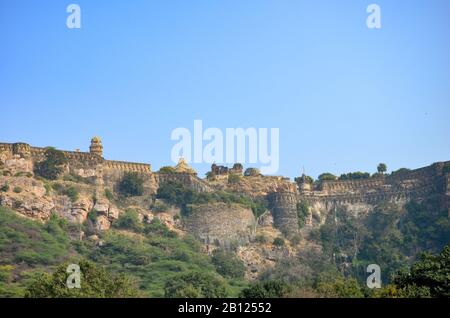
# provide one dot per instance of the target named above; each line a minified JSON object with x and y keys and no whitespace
{"x":96,"y":147}
{"x":284,"y":210}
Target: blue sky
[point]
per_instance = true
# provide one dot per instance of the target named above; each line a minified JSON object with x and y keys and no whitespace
{"x":345,"y":97}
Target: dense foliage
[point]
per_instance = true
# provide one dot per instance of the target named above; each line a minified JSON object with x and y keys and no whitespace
{"x":132,"y":184}
{"x":177,"y":194}
{"x":52,"y":166}
{"x":95,"y":282}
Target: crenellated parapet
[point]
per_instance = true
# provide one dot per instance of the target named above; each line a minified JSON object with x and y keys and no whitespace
{"x":127,"y":166}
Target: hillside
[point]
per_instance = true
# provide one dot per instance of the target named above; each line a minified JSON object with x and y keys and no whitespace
{"x":233,"y":229}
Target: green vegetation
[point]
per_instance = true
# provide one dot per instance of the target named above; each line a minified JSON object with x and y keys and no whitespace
{"x":302,"y":213}
{"x":177,"y":194}
{"x":155,"y":260}
{"x":269,"y":289}
{"x":382,"y":168}
{"x":158,"y":207}
{"x":196,"y":285}
{"x":70,"y":191}
{"x":132,"y":184}
{"x":4,"y":188}
{"x":388,"y":236}
{"x":234,"y":178}
{"x":446,"y":168}
{"x":129,"y":220}
{"x":17,"y":189}
{"x":167,"y":169}
{"x":327,"y":177}
{"x":109,"y":195}
{"x":278,"y":241}
{"x":95,"y":282}
{"x":51,"y":167}
{"x":227,"y":264}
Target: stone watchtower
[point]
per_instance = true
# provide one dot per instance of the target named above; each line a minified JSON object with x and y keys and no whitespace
{"x":96,"y":147}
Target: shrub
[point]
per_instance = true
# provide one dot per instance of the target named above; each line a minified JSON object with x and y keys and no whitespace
{"x":109,"y":195}
{"x":252,"y":172}
{"x":132,"y":184}
{"x":227,"y":264}
{"x":17,"y":189}
{"x":296,"y":239}
{"x":234,"y":178}
{"x":327,"y":177}
{"x":302,"y":213}
{"x":159,"y":207}
{"x":156,"y":227}
{"x":129,"y":220}
{"x":96,"y":283}
{"x":51,"y":167}
{"x":195,"y":285}
{"x":269,"y":289}
{"x":4,"y":188}
{"x":72,"y":193}
{"x":261,"y":239}
{"x":278,"y":241}
{"x":167,"y":169}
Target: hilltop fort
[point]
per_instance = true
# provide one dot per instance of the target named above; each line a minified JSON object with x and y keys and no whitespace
{"x":282,"y":195}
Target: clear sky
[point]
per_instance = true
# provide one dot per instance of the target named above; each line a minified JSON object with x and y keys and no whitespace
{"x":345,"y":97}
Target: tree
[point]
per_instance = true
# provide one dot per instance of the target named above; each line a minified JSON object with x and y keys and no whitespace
{"x":132,"y":184}
{"x":51,"y":167}
{"x":195,"y":285}
{"x":430,"y":276}
{"x":327,"y":177}
{"x":95,"y":282}
{"x":269,"y":289}
{"x":382,"y":168}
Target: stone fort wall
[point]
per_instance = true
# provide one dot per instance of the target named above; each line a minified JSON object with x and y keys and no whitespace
{"x":76,"y":159}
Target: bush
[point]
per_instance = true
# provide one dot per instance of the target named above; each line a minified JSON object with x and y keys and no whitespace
{"x":96,"y":283}
{"x":17,"y":189}
{"x":109,"y":195}
{"x":278,"y":241}
{"x":129,"y":220}
{"x":51,"y":167}
{"x":195,"y":285}
{"x":4,"y":188}
{"x":167,"y":169}
{"x":261,"y":239}
{"x":302,"y":213}
{"x":157,"y":228}
{"x":270,"y":289}
{"x":132,"y":184}
{"x":72,"y":193}
{"x":234,"y":178}
{"x":327,"y":177}
{"x":159,"y":207}
{"x":227,"y":264}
